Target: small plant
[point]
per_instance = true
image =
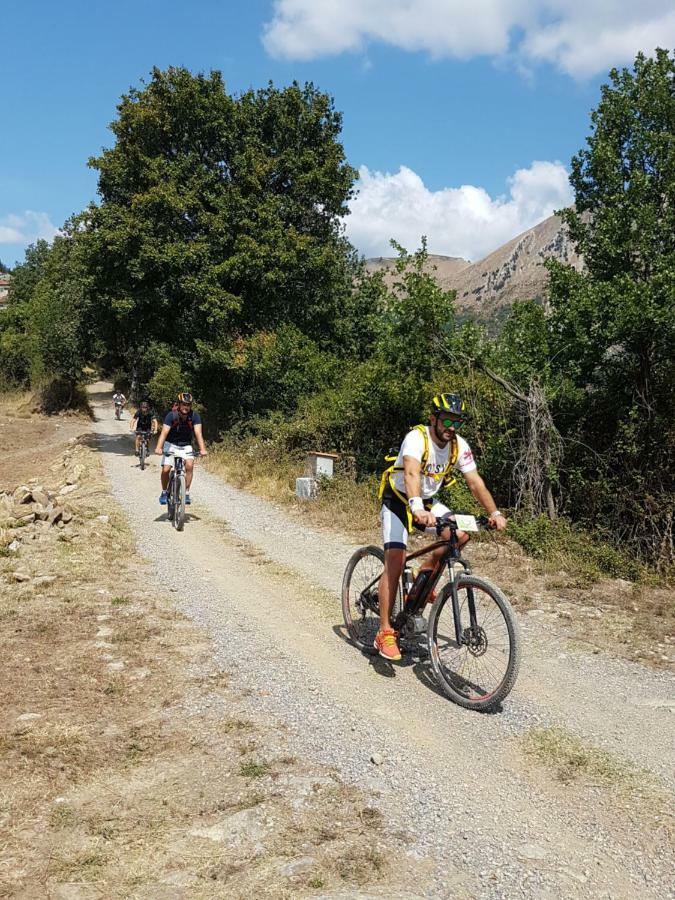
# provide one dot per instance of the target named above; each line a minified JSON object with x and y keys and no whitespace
{"x":253,"y":769}
{"x":570,"y":760}
{"x":62,"y":816}
{"x":114,"y":688}
{"x":120,"y":601}
{"x":316,"y":882}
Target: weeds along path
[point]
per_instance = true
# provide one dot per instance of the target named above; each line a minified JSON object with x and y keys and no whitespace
{"x":496,"y":823}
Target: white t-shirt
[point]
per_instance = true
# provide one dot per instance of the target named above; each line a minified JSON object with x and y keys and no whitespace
{"x":413,"y":445}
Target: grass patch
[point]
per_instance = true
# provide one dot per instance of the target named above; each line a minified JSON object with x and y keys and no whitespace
{"x":119,"y":601}
{"x":253,"y":769}
{"x":360,"y":864}
{"x":569,"y":760}
{"x":62,"y":816}
{"x":316,"y":882}
{"x":558,"y":545}
{"x":343,"y":503}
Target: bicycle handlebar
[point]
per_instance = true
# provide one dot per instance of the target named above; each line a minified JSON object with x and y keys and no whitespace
{"x":447,"y":521}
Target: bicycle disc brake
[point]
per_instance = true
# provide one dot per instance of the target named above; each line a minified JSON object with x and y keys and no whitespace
{"x":475,"y":640}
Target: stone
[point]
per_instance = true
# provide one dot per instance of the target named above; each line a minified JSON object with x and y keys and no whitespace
{"x":23,"y":512}
{"x":29,"y":717}
{"x":68,"y":488}
{"x":532,"y":852}
{"x":305,"y":488}
{"x":42,"y":512}
{"x":44,"y":580}
{"x":301,"y":866}
{"x":103,"y":519}
{"x":22,"y":494}
{"x":14,"y":547}
{"x":40,"y":495}
{"x":55,"y":516}
{"x":66,"y":516}
{"x":75,"y":476}
{"x":19,"y":577}
{"x":377,"y":759}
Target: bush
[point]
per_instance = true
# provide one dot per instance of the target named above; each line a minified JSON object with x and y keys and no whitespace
{"x":167,"y":381}
{"x":559,"y":543}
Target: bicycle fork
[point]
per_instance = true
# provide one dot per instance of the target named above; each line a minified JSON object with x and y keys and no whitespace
{"x":471,"y":603}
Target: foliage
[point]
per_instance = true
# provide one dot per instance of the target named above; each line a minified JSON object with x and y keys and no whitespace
{"x":165,"y":384}
{"x":219,"y":217}
{"x":612,"y":328}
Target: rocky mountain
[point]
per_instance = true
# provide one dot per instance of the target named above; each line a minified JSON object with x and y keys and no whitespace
{"x":486,"y":289}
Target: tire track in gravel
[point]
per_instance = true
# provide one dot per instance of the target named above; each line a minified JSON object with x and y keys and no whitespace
{"x":495,"y":828}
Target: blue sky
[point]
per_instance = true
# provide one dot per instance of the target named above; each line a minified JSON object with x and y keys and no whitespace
{"x":461,"y":117}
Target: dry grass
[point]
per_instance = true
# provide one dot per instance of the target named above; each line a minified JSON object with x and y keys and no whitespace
{"x":570,"y":760}
{"x":625,"y":789}
{"x":343,"y":504}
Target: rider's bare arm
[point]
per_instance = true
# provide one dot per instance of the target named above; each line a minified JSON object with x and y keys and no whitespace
{"x":154,"y":426}
{"x":132,"y":424}
{"x":479,"y":490}
{"x":200,"y":440}
{"x":159,"y":449}
{"x":412,"y":479}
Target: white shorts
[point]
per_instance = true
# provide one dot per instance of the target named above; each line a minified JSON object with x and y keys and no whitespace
{"x":167,"y":459}
{"x":395,"y":523}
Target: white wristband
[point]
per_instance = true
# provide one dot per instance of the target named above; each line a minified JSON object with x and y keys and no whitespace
{"x":416,"y":504}
{"x":495,"y":513}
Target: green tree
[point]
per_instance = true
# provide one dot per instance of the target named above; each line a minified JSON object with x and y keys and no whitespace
{"x":219,"y":217}
{"x":612,"y":328}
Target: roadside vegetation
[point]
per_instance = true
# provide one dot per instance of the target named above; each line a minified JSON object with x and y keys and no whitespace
{"x":215,"y":259}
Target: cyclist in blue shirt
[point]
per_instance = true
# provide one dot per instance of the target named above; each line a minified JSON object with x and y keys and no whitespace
{"x":181,"y":426}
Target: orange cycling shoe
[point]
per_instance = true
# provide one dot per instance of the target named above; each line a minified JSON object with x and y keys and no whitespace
{"x":386,"y":644}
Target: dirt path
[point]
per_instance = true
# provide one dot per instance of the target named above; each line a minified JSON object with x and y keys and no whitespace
{"x":492,"y":821}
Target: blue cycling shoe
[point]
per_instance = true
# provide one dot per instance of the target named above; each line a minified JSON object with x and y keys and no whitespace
{"x":162,"y":498}
{"x":187,"y":500}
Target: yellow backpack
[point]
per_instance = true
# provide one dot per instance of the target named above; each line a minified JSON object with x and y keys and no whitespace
{"x":445,"y":476}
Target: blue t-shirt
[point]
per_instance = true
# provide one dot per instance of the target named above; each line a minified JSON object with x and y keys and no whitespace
{"x":181,"y":433}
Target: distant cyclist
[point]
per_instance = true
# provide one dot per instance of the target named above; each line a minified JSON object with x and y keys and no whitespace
{"x":119,"y":401}
{"x":181,"y":426}
{"x":143,"y":421}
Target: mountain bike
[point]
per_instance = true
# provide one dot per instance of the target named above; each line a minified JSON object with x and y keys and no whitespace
{"x":118,"y":411}
{"x":472,"y":633}
{"x":143,"y":448}
{"x":175,"y":492}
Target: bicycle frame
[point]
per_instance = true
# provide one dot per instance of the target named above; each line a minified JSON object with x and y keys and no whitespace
{"x":415,"y":607}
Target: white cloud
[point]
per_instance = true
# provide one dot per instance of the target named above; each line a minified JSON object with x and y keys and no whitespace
{"x":464,"y":221}
{"x":581,"y":37}
{"x":26,"y":228}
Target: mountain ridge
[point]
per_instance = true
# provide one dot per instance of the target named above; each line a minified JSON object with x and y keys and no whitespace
{"x":487,"y":288}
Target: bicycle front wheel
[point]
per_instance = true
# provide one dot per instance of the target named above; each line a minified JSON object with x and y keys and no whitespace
{"x":360,"y":596}
{"x":479,"y":671}
{"x":143,"y":451}
{"x":179,"y":514}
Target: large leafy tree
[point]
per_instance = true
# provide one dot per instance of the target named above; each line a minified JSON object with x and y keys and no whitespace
{"x":613,"y":326}
{"x":219,"y":216}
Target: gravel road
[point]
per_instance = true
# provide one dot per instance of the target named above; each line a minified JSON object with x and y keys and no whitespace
{"x":267,"y":591}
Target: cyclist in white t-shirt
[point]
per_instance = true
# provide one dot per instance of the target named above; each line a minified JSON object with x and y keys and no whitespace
{"x":407,"y":498}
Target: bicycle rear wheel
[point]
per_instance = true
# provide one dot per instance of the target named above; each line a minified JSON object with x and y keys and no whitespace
{"x":360,"y":599}
{"x":179,"y":514}
{"x":480,"y":671}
